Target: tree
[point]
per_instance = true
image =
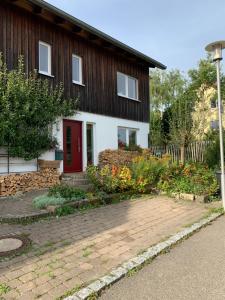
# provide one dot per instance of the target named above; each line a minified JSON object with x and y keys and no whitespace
{"x":165,"y":88}
{"x":29,"y":106}
{"x":180,"y":122}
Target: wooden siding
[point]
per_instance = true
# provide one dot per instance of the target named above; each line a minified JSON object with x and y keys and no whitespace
{"x":20,"y":32}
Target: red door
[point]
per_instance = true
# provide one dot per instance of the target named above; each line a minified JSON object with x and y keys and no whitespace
{"x":72,"y":146}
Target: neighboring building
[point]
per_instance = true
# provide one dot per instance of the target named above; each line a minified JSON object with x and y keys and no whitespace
{"x":110,"y":78}
{"x":205,"y":114}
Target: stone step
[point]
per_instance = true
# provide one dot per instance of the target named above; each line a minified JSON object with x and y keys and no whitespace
{"x":84,"y":187}
{"x":75,"y":181}
{"x":81,"y":175}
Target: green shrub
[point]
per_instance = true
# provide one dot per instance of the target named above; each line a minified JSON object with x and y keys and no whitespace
{"x":212,"y":155}
{"x":66,"y":192}
{"x":190,"y":178}
{"x":65,"y":210}
{"x":147,"y":169}
{"x":44,"y":200}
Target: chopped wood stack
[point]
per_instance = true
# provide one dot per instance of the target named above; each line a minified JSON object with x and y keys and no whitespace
{"x":13,"y":183}
{"x":117,"y":157}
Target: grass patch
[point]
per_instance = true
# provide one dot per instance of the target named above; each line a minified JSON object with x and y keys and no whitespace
{"x":4,"y":289}
{"x":87,"y":250}
{"x":71,"y":292}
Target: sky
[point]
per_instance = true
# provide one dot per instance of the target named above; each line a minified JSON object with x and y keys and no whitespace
{"x":174,"y":32}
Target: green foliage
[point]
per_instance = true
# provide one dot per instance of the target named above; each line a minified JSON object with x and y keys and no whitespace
{"x":156,"y":129}
{"x":189,"y":178}
{"x":165,"y":88}
{"x":133,"y":148}
{"x":29,"y":106}
{"x":59,"y":195}
{"x":65,"y":210}
{"x":44,"y":200}
{"x":4,"y":289}
{"x":141,"y":176}
{"x":212,"y":154}
{"x":66,"y":192}
{"x":147,"y":171}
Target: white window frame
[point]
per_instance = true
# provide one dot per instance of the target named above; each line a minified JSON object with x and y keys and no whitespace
{"x":80,"y":82}
{"x":49,"y":73}
{"x":126,"y":87}
{"x":127,"y":134}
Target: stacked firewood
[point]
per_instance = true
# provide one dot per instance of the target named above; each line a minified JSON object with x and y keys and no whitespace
{"x":14,"y":183}
{"x":117,"y":157}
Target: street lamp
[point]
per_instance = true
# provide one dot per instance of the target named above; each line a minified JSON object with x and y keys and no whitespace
{"x":216,"y":48}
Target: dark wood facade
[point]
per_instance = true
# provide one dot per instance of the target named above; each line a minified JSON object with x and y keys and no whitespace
{"x":20,"y":33}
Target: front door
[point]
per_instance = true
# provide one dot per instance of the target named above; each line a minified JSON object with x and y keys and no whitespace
{"x":72,"y":146}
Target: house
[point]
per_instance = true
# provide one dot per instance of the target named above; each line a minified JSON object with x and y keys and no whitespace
{"x":205,"y":113}
{"x":110,"y":78}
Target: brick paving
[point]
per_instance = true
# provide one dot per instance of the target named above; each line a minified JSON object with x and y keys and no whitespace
{"x":20,"y":204}
{"x":74,"y":250}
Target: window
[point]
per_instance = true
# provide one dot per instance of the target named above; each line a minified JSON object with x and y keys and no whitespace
{"x":90,"y":144}
{"x":126,"y":137}
{"x":214,"y":124}
{"x":76,"y":69}
{"x":127,"y":86}
{"x":122,"y":139}
{"x":45,"y":63}
{"x":132,"y":137}
{"x":213,"y":103}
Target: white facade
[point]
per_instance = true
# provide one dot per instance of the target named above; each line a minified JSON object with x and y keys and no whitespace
{"x":105,"y":136}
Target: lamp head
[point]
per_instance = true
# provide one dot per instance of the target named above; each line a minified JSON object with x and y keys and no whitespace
{"x":216,"y":48}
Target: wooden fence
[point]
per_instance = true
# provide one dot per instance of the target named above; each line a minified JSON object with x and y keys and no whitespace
{"x":194,"y":152}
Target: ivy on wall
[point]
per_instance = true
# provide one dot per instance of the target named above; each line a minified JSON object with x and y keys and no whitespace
{"x":29,"y":106}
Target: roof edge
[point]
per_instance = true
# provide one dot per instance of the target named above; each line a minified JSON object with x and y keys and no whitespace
{"x":97,"y":32}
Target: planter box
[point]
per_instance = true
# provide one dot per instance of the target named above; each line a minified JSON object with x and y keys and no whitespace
{"x":50,"y":164}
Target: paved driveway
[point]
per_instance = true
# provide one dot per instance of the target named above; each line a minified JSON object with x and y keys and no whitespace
{"x":76,"y":249}
{"x":193,"y":270}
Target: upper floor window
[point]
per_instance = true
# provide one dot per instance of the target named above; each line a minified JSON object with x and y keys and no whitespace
{"x":213,"y":103}
{"x":127,"y":86}
{"x":214,"y":124}
{"x":77,"y":69}
{"x":45,"y":63}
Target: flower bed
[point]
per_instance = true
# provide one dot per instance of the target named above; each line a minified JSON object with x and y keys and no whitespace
{"x":147,"y":173}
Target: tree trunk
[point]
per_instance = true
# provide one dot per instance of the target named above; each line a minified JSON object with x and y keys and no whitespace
{"x":182,"y":154}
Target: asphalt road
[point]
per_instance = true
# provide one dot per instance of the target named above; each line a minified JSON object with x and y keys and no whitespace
{"x":194,"y":269}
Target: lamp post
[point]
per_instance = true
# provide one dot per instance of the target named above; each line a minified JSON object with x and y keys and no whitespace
{"x":216,"y":48}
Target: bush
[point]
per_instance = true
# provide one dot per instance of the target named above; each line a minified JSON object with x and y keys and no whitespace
{"x":66,"y":192}
{"x":146,"y":172}
{"x":59,"y":195}
{"x":140,"y":176}
{"x":212,"y":155}
{"x":190,"y":178}
{"x":44,"y":200}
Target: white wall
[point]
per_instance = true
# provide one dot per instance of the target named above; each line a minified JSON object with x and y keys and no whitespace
{"x":105,"y":132}
{"x":105,"y":137}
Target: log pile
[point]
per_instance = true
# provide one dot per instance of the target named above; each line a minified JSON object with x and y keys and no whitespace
{"x":117,"y":157}
{"x":14,"y":183}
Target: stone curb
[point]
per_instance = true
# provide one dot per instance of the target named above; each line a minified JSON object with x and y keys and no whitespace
{"x":11,"y":219}
{"x":116,"y":274}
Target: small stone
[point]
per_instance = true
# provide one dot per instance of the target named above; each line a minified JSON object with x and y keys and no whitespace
{"x":96,"y":286}
{"x":108,"y":279}
{"x":72,"y":298}
{"x":84,"y":293}
{"x":139,"y":259}
{"x":129,"y":265}
{"x":119,"y":272}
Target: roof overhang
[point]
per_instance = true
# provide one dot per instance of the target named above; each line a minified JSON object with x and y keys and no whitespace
{"x":78,"y":27}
